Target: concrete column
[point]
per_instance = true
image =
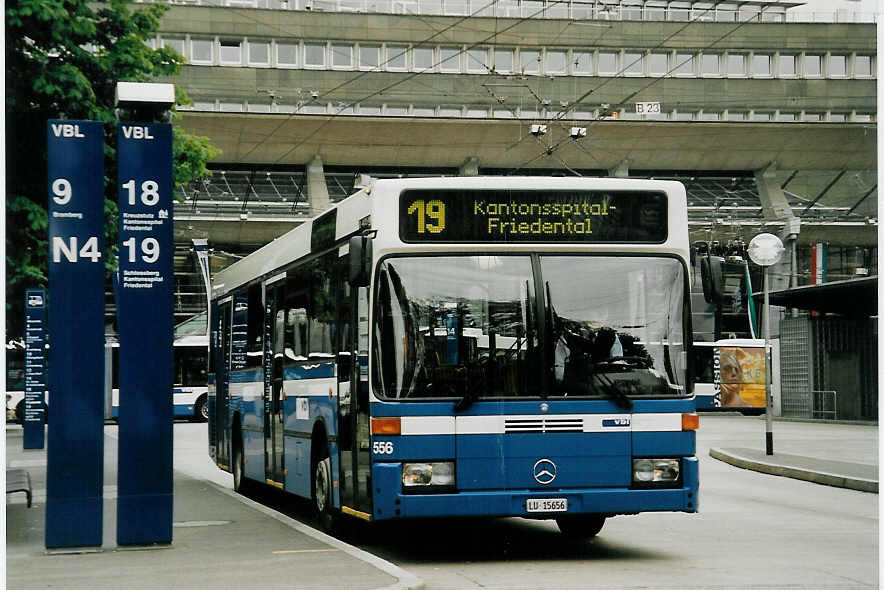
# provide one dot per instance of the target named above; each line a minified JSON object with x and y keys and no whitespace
{"x":317,"y":190}
{"x":470,"y":167}
{"x":773,"y":200}
{"x":621,"y":170}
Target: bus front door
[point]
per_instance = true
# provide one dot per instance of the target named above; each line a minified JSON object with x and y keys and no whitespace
{"x":273,"y":371}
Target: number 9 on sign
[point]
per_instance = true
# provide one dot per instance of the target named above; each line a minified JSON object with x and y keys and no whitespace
{"x":430,"y":215}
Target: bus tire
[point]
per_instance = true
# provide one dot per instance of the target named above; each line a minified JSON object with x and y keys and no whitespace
{"x":584,"y":526}
{"x":201,"y":410}
{"x":322,"y":490}
{"x":241,"y":484}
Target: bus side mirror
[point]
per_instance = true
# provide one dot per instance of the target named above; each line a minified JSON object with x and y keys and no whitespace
{"x":360,"y":261}
{"x":713,"y":280}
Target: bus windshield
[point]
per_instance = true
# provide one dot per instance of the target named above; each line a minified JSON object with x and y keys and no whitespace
{"x":454,"y":326}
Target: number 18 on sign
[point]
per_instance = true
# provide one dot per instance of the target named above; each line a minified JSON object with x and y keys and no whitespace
{"x":145,"y":311}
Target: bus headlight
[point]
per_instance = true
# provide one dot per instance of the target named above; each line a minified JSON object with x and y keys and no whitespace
{"x":428,"y":474}
{"x":650,"y":471}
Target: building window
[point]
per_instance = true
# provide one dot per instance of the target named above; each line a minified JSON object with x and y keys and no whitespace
{"x":633,"y":63}
{"x":259,"y":53}
{"x":423,"y":112}
{"x":201,"y":51}
{"x":786,"y":64}
{"x":529,"y":61}
{"x":396,"y":110}
{"x":655,"y":11}
{"x":837,"y":66}
{"x":477,"y":113}
{"x":813,"y":117}
{"x":679,"y":11}
{"x":450,"y":59}
{"x":710,"y":64}
{"x":230,"y":107}
{"x":286,"y":54}
{"x":659,"y":64}
{"x":342,"y":55}
{"x":503,"y":61}
{"x":862,"y":65}
{"x":174,"y":43}
{"x":684,"y":64}
{"x":761,"y":65}
{"x":581,"y":62}
{"x":709,"y":116}
{"x":736,"y":116}
{"x":231,"y":53}
{"x":837,"y":117}
{"x":685,"y":115}
{"x":555,"y":62}
{"x":423,"y":58}
{"x":786,"y":117}
{"x":736,"y":64}
{"x":607,"y":63}
{"x":529,"y":114}
{"x":477,"y":60}
{"x":314,"y":55}
{"x":397,"y":57}
{"x":761,"y":116}
{"x":369,"y":57}
{"x":450,"y":111}
{"x":813,"y":65}
{"x":258,"y":108}
{"x":369,"y":110}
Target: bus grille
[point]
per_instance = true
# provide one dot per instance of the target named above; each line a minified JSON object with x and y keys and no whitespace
{"x":543,"y":425}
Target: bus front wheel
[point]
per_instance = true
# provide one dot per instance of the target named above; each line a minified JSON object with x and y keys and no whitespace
{"x":584,"y":526}
{"x":240,"y":482}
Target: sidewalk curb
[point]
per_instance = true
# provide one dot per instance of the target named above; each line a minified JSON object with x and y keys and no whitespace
{"x":405,"y":580}
{"x":820,"y":477}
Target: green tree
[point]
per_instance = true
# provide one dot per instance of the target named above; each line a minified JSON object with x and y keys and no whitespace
{"x":63,"y":60}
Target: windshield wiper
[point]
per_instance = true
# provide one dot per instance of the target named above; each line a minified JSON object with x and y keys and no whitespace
{"x":612,"y":390}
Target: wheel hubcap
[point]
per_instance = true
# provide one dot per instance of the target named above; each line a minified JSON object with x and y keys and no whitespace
{"x":322,"y":485}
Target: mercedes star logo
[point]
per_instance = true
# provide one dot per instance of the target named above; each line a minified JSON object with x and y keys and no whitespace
{"x":544,"y":471}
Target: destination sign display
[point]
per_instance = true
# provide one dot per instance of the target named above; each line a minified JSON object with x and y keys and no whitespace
{"x":532,"y":216}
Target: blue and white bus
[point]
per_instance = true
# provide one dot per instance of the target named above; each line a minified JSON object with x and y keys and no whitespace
{"x":473,"y":346}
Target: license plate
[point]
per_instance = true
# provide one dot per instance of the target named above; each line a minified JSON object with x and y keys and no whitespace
{"x":546,"y":505}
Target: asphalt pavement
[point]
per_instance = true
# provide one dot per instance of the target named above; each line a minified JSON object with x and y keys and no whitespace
{"x":224,"y":540}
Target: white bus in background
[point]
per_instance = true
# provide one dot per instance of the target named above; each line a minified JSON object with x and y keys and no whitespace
{"x":189,"y":390}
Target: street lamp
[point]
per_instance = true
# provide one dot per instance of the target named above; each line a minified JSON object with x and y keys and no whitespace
{"x":766,"y":250}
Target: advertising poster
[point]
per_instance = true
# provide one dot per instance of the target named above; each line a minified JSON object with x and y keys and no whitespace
{"x":742,"y":371}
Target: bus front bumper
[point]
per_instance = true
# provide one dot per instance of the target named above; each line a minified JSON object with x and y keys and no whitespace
{"x":390,"y":502}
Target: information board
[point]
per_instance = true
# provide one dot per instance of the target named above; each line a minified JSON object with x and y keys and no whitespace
{"x":532,"y":216}
{"x":145,"y":320}
{"x":35,"y":369}
{"x":75,"y":439}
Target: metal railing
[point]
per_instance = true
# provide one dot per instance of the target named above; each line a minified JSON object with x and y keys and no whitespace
{"x":825,"y":404}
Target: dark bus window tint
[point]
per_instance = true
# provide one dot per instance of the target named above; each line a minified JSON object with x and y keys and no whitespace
{"x":703,"y":363}
{"x":190,"y":366}
{"x":15,"y":369}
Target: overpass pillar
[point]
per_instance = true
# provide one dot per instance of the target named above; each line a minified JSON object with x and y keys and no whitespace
{"x":621,"y":170}
{"x":317,"y":189}
{"x":470,"y":167}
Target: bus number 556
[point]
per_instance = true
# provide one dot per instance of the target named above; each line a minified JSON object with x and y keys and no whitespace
{"x":382,"y":447}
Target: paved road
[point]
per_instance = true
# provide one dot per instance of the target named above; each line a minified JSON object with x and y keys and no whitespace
{"x":753,"y":530}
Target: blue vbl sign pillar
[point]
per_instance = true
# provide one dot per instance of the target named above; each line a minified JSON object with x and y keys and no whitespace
{"x":145,"y":322}
{"x":75,"y":442}
{"x":35,"y":369}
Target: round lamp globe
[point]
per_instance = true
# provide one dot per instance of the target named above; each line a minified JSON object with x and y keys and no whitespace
{"x":765,"y":249}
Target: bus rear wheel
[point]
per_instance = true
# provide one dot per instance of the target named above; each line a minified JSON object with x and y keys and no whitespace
{"x":322,"y":487}
{"x":584,"y":526}
{"x":201,"y":410}
{"x":240,"y":482}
